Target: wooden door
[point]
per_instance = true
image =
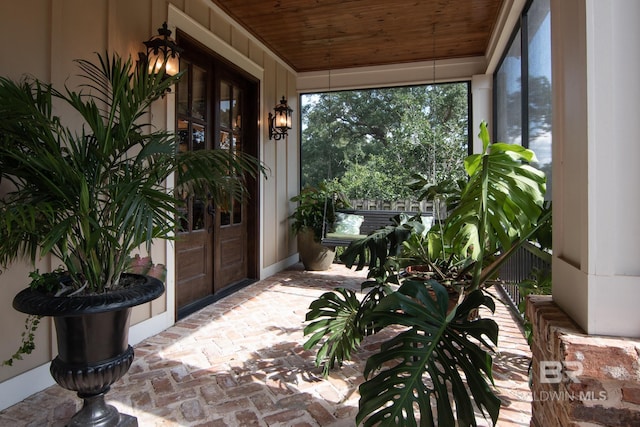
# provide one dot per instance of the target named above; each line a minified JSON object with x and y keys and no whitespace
{"x":194,"y":244}
{"x":216,"y":247}
{"x":230,"y":237}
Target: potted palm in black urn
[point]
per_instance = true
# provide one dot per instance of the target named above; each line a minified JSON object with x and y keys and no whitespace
{"x":91,"y":196}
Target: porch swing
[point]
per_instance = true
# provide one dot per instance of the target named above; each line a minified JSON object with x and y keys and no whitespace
{"x":354,"y":224}
{"x":349,"y":223}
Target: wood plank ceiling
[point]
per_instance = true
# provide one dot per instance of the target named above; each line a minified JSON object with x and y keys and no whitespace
{"x":313,"y":35}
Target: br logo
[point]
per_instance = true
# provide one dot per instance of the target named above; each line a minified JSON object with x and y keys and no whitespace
{"x":553,"y":372}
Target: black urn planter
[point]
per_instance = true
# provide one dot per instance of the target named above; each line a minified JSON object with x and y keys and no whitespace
{"x":93,"y":349}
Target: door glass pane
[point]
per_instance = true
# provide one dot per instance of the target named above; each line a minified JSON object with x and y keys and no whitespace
{"x":225,"y":140}
{"x":198,"y":135}
{"x":237,"y":212}
{"x":237,"y":120}
{"x":199,"y":93}
{"x":183,"y":90}
{"x":225,"y":105}
{"x":230,"y":139}
{"x":183,"y":214}
{"x":183,"y":135}
{"x":225,"y":215}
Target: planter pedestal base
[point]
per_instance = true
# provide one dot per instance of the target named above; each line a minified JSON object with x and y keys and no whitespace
{"x":92,"y":382}
{"x":96,"y":412}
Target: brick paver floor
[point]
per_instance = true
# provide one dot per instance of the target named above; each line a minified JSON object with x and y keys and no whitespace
{"x":240,"y":362}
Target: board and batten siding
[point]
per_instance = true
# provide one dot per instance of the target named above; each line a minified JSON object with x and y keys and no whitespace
{"x":45,"y":37}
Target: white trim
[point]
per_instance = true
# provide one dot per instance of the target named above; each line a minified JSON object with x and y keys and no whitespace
{"x":178,"y":19}
{"x":262,"y":124}
{"x":150,"y":327}
{"x":170,"y":253}
{"x":400,"y":74}
{"x":21,"y":386}
{"x":279,"y":266}
{"x":506,"y":23}
{"x":481,"y":100}
{"x":240,"y":29}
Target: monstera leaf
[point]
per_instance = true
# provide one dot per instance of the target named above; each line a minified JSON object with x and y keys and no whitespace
{"x":381,"y":243}
{"x":501,"y":202}
{"x":336,"y":317}
{"x":427,"y":362}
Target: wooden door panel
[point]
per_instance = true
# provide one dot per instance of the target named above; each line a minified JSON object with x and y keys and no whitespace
{"x":194,"y":268}
{"x":233,"y":266}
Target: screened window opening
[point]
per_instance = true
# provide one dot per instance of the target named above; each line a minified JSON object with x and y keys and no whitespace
{"x":369,"y":143}
{"x":522,"y":87}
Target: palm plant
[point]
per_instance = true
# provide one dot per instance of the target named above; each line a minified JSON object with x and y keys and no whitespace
{"x":316,"y":210}
{"x":499,"y":208}
{"x":92,"y":196}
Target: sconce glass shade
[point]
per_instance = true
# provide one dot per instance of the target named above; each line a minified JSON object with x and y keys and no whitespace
{"x":163,"y":51}
{"x":280,"y":122}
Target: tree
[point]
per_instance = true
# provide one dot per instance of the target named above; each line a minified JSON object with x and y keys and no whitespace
{"x":373,"y":140}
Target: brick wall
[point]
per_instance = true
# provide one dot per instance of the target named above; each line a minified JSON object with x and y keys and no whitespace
{"x":580,"y":380}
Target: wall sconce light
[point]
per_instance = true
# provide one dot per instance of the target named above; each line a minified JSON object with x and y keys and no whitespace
{"x":162,"y":51}
{"x":280,"y":123}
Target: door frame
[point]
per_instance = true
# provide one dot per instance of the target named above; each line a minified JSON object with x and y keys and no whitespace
{"x":252,"y":135}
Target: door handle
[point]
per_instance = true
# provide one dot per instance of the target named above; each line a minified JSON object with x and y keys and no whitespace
{"x":211,"y":210}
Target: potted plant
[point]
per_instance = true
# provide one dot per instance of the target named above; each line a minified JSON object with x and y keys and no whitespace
{"x":312,"y":218}
{"x":499,"y":208}
{"x":91,"y":197}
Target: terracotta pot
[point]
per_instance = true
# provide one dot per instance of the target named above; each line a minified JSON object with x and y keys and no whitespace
{"x":314,"y":255}
{"x":93,"y":346}
{"x":424,"y":272}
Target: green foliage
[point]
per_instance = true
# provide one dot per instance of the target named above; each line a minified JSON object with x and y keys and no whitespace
{"x":373,"y":140}
{"x":46,"y":282}
{"x":27,"y":344}
{"x":365,"y":182}
{"x":380,"y":244}
{"x":437,"y":345}
{"x":336,"y":319}
{"x":539,"y":284}
{"x":93,"y":194}
{"x":496,"y":211}
{"x":317,"y":208}
{"x":502,"y":201}
{"x":445,"y":192}
{"x":543,"y":237}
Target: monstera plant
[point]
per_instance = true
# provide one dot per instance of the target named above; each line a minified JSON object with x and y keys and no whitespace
{"x":442,"y":354}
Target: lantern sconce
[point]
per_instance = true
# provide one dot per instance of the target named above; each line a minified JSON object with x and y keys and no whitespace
{"x":280,"y":122}
{"x":162,"y":52}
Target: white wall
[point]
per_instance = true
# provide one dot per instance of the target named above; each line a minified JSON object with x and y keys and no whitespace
{"x":481,"y":107}
{"x":396,"y":74}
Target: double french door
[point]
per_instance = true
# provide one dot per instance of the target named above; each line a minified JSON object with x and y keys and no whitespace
{"x":216,"y":109}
